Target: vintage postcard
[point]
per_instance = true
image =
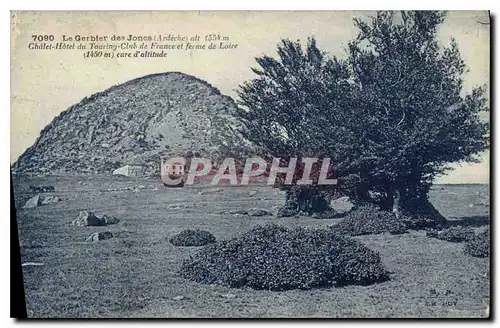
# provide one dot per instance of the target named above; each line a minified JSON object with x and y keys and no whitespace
{"x":251,"y":164}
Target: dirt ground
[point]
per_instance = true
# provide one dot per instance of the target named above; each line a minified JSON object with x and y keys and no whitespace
{"x":134,"y":273}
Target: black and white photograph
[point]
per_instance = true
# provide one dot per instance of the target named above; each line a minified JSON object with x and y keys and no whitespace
{"x":251,"y":164}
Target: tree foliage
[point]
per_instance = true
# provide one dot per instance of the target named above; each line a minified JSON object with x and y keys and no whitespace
{"x":391,"y":115}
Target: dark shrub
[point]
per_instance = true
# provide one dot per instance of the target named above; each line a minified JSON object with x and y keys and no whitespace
{"x":276,"y":258}
{"x":368,"y":220}
{"x":479,"y":245}
{"x":192,"y":237}
{"x":454,"y":234}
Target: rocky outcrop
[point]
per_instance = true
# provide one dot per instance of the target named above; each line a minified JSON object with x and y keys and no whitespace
{"x":134,"y":123}
{"x":86,"y":218}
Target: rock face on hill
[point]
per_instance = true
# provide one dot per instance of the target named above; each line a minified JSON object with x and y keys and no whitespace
{"x":135,"y":122}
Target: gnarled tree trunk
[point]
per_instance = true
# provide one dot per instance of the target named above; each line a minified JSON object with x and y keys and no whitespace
{"x":306,"y":200}
{"x":416,"y":210}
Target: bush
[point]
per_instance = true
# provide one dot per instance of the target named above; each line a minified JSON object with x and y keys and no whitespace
{"x":479,"y":245}
{"x":276,"y":258}
{"x":368,"y":220}
{"x":454,"y":234}
{"x":192,"y":237}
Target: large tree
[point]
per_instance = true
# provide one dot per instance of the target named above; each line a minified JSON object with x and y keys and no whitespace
{"x":392,"y":115}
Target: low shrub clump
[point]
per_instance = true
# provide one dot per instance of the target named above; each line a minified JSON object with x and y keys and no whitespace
{"x":192,"y":237}
{"x":479,"y":245}
{"x":368,"y":220}
{"x":455,"y":234}
{"x":276,"y":258}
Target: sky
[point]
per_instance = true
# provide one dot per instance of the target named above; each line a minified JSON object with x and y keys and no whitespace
{"x":44,"y":83}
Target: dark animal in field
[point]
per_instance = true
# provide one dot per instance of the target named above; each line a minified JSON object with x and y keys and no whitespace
{"x":42,"y":189}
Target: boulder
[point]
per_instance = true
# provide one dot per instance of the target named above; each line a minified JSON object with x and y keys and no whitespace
{"x":106,"y":219}
{"x":87,"y":218}
{"x":341,"y":205}
{"x":33,"y":202}
{"x":97,"y":236}
{"x":50,"y":200}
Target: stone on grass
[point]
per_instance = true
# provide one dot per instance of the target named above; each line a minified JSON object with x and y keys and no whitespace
{"x":33,"y":202}
{"x":342,"y":205}
{"x":97,"y":236}
{"x":50,"y":200}
{"x":87,"y":218}
{"x":107,"y":219}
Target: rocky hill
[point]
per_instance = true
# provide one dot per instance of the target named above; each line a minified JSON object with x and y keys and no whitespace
{"x":135,"y":122}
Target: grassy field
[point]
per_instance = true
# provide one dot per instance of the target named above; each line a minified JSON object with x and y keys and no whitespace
{"x":134,"y":274}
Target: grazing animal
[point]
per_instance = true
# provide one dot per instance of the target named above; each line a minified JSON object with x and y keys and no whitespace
{"x":42,"y":189}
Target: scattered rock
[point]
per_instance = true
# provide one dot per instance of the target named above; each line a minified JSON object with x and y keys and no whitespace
{"x":33,"y":202}
{"x":97,"y":236}
{"x":50,"y":200}
{"x":87,"y":218}
{"x":341,"y":205}
{"x":106,"y":220}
